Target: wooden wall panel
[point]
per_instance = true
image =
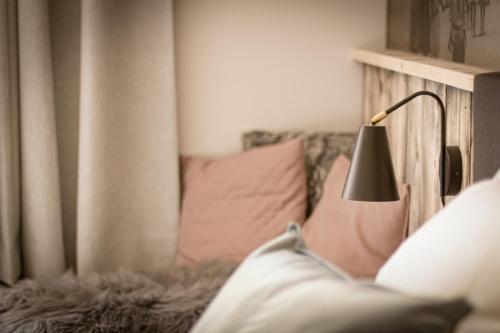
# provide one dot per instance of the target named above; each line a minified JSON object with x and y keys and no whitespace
{"x":397,"y":130}
{"x":371,"y":96}
{"x":414,"y":152}
{"x":430,"y":136}
{"x":414,"y":133}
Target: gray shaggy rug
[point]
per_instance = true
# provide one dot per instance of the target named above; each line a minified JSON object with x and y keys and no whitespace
{"x":112,"y":303}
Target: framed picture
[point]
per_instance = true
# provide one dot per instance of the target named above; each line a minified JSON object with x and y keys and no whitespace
{"x":465,"y":31}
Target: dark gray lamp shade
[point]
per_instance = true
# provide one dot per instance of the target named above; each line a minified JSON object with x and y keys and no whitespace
{"x":371,"y":174}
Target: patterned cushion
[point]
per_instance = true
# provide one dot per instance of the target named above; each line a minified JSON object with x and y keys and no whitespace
{"x":321,"y":149}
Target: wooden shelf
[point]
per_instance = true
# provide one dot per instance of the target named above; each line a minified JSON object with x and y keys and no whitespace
{"x":450,"y":73}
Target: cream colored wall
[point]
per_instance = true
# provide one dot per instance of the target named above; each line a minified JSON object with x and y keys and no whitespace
{"x":269,"y":64}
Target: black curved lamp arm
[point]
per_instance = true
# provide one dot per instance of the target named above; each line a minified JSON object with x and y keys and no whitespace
{"x":380,"y":116}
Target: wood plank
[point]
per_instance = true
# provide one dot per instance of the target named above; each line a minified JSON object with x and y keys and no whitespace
{"x":446,"y":72}
{"x":371,"y":92}
{"x":459,"y":129}
{"x":414,"y":154}
{"x":397,"y":127}
{"x":397,"y":130}
{"x":431,"y":134}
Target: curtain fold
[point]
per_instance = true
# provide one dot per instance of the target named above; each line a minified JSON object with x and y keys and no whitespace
{"x":128,"y":177}
{"x":88,"y":141}
{"x":10,"y":211}
{"x":41,"y":220}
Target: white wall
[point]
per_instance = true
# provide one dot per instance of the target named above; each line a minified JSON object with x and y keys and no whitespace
{"x":269,"y":64}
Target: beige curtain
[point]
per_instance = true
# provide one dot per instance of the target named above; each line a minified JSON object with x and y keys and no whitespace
{"x":88,"y":142}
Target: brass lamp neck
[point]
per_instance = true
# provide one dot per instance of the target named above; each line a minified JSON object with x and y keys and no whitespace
{"x":382,"y":115}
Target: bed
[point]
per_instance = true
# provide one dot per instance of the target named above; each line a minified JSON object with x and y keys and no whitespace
{"x":174,"y":302}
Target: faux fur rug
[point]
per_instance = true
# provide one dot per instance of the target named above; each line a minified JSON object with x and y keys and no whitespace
{"x":114,"y":303}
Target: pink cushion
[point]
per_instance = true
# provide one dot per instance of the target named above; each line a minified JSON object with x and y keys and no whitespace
{"x":357,"y":236}
{"x":234,"y":204}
